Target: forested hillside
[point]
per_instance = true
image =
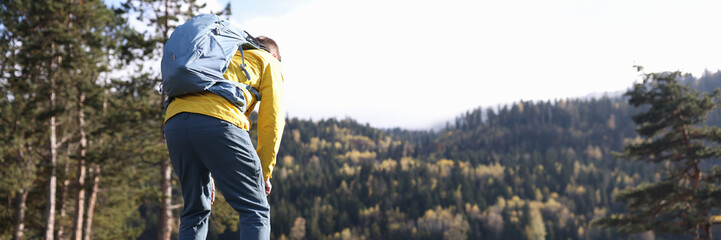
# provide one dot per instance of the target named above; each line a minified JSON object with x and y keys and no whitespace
{"x":531,"y":170}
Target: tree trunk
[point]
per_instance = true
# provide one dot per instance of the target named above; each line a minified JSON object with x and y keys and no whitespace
{"x":20,"y":214}
{"x":166,"y":208}
{"x":166,"y":189}
{"x":696,"y":177}
{"x":96,"y":178}
{"x":80,"y":204}
{"x":166,"y":171}
{"x":53,"y":182}
{"x":63,"y":197}
{"x":166,"y":213}
{"x":91,"y":202}
{"x":21,"y":201}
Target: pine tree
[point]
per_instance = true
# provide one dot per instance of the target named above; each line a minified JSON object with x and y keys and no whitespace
{"x":53,"y":57}
{"x":29,"y":65}
{"x":675,"y":139}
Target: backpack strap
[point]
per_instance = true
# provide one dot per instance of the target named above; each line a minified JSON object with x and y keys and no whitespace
{"x":242,"y":65}
{"x":254,"y":42}
{"x":247,"y":87}
{"x":247,"y":76}
{"x":253,"y":91}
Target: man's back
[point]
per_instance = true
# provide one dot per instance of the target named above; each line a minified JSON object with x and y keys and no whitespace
{"x":206,"y":134}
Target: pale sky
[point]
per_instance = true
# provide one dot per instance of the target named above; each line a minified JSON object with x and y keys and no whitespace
{"x":416,"y":63}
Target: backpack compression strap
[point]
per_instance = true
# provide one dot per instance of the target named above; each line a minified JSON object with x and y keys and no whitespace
{"x":253,"y":91}
{"x":247,"y":76}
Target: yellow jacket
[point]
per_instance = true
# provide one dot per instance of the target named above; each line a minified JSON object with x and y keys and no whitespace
{"x":266,"y":77}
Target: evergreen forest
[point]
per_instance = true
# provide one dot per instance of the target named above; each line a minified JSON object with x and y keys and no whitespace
{"x":83,"y":154}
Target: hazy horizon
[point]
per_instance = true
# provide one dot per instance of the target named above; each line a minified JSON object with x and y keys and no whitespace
{"x":438,"y":125}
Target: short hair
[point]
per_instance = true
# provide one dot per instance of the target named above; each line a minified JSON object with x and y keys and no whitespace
{"x":270,"y":44}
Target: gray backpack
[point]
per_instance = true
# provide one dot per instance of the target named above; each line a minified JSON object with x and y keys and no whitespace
{"x":198,"y":53}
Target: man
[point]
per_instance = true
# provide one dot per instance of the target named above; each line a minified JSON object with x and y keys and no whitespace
{"x":207,"y":135}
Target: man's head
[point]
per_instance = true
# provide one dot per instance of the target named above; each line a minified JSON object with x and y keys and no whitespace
{"x":272,"y":46}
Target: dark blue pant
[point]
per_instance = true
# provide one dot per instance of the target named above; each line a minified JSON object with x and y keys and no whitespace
{"x":199,"y":146}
